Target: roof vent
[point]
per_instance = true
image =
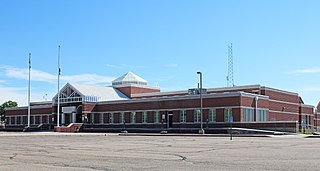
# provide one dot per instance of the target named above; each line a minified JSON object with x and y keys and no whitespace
{"x":196,"y":91}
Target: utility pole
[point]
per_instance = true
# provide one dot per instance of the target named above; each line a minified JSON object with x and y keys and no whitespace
{"x":59,"y":71}
{"x":29,"y":91}
{"x":201,"y":131}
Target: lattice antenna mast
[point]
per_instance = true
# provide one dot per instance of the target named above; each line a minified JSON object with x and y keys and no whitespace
{"x":230,"y":82}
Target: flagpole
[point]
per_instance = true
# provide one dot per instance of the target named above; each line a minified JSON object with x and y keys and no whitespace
{"x":29,"y":92}
{"x":58,"y":110}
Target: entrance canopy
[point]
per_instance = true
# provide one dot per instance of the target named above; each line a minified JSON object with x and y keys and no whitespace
{"x":74,"y":92}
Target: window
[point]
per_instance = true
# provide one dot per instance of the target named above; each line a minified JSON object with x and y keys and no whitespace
{"x":227,"y":114}
{"x":307,"y":120}
{"x":144,"y":117}
{"x":212,"y":115}
{"x":197,"y":116}
{"x":262,"y":115}
{"x":94,"y":118}
{"x":156,"y":117}
{"x":247,"y":115}
{"x":11,"y":120}
{"x":111,"y":118}
{"x":121,"y":117}
{"x":47,"y":119}
{"x":183,"y":116}
{"x":101,"y":118}
{"x":33,"y":120}
{"x":309,"y":124}
{"x":133,"y":117}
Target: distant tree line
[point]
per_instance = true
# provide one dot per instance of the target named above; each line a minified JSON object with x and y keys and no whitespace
{"x":4,"y":105}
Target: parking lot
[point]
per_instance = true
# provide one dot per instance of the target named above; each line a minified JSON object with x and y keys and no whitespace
{"x":85,"y":151}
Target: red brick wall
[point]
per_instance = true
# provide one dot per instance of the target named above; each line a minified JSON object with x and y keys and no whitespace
{"x":138,"y":117}
{"x":150,"y":118}
{"x":307,"y":111}
{"x":169,"y":104}
{"x":176,"y":116}
{"x":33,"y":111}
{"x":129,"y":90}
{"x":88,"y":107}
{"x":251,"y":102}
{"x":205,"y":115}
{"x":236,"y":114}
{"x":220,"y":115}
{"x":281,"y":96}
{"x":284,"y":107}
{"x":276,"y":116}
{"x":190,"y":115}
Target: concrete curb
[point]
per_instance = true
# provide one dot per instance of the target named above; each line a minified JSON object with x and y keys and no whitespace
{"x":313,"y":136}
{"x":195,"y":135}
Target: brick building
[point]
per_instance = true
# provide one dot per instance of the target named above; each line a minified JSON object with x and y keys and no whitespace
{"x":133,"y":105}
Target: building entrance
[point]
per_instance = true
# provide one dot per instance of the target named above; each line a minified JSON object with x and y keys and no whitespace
{"x":170,"y":119}
{"x":67,"y":118}
{"x":79,"y":114}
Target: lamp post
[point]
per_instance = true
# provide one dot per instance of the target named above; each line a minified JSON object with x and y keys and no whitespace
{"x":201,"y":131}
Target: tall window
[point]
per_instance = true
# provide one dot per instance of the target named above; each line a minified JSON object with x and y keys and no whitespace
{"x":33,"y":120}
{"x":111,"y":118}
{"x":183,"y":116}
{"x":262,"y":115}
{"x":133,"y":117}
{"x":101,"y":118}
{"x":12,"y":120}
{"x":307,"y":120}
{"x":247,"y":115}
{"x":92,"y":118}
{"x":121,"y":117}
{"x":47,"y":119}
{"x":212,"y":115}
{"x":197,"y":116}
{"x":227,"y":114}
{"x":144,"y":117}
{"x":156,"y":116}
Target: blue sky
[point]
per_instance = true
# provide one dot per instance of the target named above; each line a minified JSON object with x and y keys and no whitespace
{"x":275,"y":43}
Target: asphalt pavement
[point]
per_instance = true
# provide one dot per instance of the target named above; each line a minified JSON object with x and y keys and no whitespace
{"x":50,"y":151}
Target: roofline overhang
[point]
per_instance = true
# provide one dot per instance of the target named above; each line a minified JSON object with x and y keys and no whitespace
{"x":26,"y":107}
{"x":280,"y":91}
{"x":186,"y":97}
{"x":186,"y":91}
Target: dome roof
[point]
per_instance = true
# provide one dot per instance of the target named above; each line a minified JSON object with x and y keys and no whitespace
{"x":129,"y":78}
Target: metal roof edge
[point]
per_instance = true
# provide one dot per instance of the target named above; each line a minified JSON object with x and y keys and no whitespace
{"x":280,"y":91}
{"x":235,"y":87}
{"x":180,"y":97}
{"x":26,"y":107}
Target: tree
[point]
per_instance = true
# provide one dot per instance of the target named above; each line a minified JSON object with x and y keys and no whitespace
{"x":4,"y":105}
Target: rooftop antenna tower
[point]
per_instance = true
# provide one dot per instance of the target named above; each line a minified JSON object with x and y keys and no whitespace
{"x":230,"y":82}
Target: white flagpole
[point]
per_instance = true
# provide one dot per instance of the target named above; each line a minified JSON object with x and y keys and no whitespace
{"x":29,"y":92}
{"x":58,"y":109}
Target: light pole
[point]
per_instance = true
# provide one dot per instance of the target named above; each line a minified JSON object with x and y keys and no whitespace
{"x":201,"y":131}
